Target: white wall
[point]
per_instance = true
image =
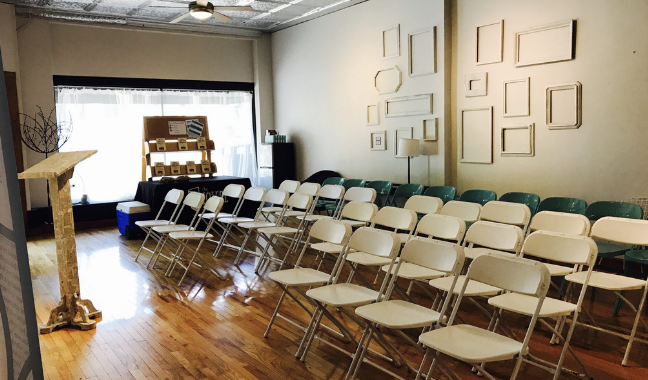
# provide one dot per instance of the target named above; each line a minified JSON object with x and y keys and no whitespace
{"x":8,"y":38}
{"x":602,"y":160}
{"x":323,"y":81}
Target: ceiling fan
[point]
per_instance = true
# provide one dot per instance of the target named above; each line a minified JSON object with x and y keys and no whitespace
{"x":203,"y":10}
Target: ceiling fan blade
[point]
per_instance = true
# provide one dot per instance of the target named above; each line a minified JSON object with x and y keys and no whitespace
{"x":202,"y":3}
{"x":235,"y":8}
{"x":178,"y":19}
{"x":221,"y":17}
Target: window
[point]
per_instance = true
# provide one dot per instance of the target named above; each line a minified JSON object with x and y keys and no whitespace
{"x":110,"y":121}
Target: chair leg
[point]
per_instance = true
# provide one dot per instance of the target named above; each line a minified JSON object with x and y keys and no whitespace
{"x":148,"y":233}
{"x":351,"y":373}
{"x":634,"y":327}
{"x":308,"y":331}
{"x":274,"y":315}
{"x":362,"y":348}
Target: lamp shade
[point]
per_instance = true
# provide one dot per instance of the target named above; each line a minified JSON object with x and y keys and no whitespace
{"x":408,"y":147}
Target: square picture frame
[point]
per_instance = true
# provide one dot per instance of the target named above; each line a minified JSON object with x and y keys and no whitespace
{"x":378,"y":141}
{"x":529,"y":147}
{"x":476,"y":84}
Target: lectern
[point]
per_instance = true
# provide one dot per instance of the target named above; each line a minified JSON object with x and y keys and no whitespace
{"x":72,"y":310}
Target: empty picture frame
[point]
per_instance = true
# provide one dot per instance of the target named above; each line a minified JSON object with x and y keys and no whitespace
{"x":388,"y":81}
{"x":489,"y":42}
{"x":564,"y":106}
{"x":546,"y":43}
{"x":476,"y":84}
{"x":515,"y":97}
{"x":430,"y":129}
{"x":391,"y":42}
{"x":422,"y":52}
{"x":408,"y":106}
{"x":518,"y":140}
{"x":373,"y":117}
{"x":401,"y":133}
{"x":477,"y":135}
{"x":378,"y":141}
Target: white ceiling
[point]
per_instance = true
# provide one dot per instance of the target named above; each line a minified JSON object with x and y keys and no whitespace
{"x":268,"y":15}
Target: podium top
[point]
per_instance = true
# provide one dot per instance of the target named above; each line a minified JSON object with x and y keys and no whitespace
{"x":56,"y":165}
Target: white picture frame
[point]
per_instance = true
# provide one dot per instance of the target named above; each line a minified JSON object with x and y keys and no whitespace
{"x":373,"y":114}
{"x":401,"y":133}
{"x":548,"y":43}
{"x":516,"y":100}
{"x":394,"y":80}
{"x":489,"y":42}
{"x":378,"y":141}
{"x":408,"y":106}
{"x":430,"y":129}
{"x":412,"y":64}
{"x":476,"y":84}
{"x":391,"y":42}
{"x":564,"y":106}
{"x":523,"y":144}
{"x":477,"y":135}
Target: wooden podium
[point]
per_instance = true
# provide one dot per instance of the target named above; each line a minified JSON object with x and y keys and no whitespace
{"x":72,"y":310}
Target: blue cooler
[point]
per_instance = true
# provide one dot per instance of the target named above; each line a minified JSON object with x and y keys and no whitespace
{"x":130,"y":212}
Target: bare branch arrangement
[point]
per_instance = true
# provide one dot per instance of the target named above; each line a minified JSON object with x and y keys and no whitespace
{"x":44,"y":134}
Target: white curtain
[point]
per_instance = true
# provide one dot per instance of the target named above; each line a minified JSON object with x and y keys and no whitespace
{"x":110,"y":121}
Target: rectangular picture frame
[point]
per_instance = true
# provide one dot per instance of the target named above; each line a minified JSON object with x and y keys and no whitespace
{"x":430,"y":129}
{"x":499,"y":43}
{"x":576,"y":106}
{"x":530,"y":152}
{"x":401,"y":133}
{"x":378,"y":141}
{"x":411,"y":52}
{"x":486,"y":137}
{"x":553,"y":54}
{"x":386,"y":54}
{"x":505,"y":95}
{"x":426,"y":109}
{"x":373,"y":114}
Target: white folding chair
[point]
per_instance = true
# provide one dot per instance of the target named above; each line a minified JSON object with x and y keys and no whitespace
{"x":475,"y":345}
{"x":371,"y":241}
{"x":308,"y":188}
{"x":356,"y":194}
{"x":619,"y":231}
{"x":423,"y":204}
{"x":484,"y":236}
{"x":253,"y":194}
{"x":183,"y":238}
{"x":231,"y":192}
{"x":437,"y":257}
{"x":327,"y":232}
{"x":172,"y":197}
{"x":357,"y":213}
{"x":561,"y":222}
{"x":515,"y":214}
{"x":304,"y":188}
{"x":332,"y":193}
{"x":467,"y":211}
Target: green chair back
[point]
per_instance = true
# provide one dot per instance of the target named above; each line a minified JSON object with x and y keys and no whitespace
{"x":478,"y":196}
{"x":349,"y":183}
{"x":446,"y":193}
{"x":598,"y":210}
{"x":563,"y":204}
{"x":383,"y":188}
{"x":531,"y":200}
{"x":405,"y":192}
{"x":333,"y":181}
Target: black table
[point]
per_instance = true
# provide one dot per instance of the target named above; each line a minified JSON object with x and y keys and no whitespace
{"x":153,"y":193}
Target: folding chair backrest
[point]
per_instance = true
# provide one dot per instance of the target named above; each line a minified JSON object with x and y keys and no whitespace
{"x":563,"y":204}
{"x":289,"y":186}
{"x":424,"y":204}
{"x":502,"y":237}
{"x":309,"y":188}
{"x":571,"y":249}
{"x":194,"y":200}
{"x":361,"y":211}
{"x":445,"y":193}
{"x":174,"y":196}
{"x":395,"y":218}
{"x":621,"y":230}
{"x":404,"y":192}
{"x":276,"y":197}
{"x":331,"y":231}
{"x":214,"y":204}
{"x":233,"y":191}
{"x":478,"y":196}
{"x":254,"y":194}
{"x":331,"y":192}
{"x":561,"y":222}
{"x":438,"y":255}
{"x":531,"y":200}
{"x":360,"y":194}
{"x":333,"y":181}
{"x":510,"y":273}
{"x":375,"y":242}
{"x":300,"y":201}
{"x":349,"y":183}
{"x":516,"y":214}
{"x":598,"y":210}
{"x":467,"y":211}
{"x":442,"y":227}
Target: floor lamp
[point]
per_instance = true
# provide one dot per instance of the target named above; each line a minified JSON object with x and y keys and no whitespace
{"x":409,"y":148}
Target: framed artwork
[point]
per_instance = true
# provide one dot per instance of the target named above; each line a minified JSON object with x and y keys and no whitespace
{"x":391,"y":42}
{"x":430,"y":129}
{"x":546,"y":43}
{"x":564,"y":106}
{"x":477,"y":135}
{"x":378,"y":141}
{"x":401,"y":133}
{"x":409,"y":105}
{"x":422,"y":52}
{"x":388,"y":81}
{"x":516,"y":98}
{"x":489,"y":40}
{"x":373,"y":117}
{"x":518,"y":140}
{"x":476,"y":84}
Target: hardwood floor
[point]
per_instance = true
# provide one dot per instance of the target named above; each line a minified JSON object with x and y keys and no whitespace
{"x":211,"y":329}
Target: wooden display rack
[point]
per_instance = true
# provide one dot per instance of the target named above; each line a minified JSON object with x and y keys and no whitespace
{"x":156,"y":127}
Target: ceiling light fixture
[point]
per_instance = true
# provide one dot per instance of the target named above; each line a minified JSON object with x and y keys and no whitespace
{"x":201,"y":12}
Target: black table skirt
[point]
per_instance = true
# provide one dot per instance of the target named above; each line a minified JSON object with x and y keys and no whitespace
{"x":153,"y":193}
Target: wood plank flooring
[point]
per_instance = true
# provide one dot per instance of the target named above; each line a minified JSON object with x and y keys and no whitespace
{"x":211,"y":329}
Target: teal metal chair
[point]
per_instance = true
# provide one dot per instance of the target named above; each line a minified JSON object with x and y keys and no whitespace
{"x":563,"y":204}
{"x":321,"y":204}
{"x":405,"y":192}
{"x":598,"y":210}
{"x":383,"y":189}
{"x":531,"y":200}
{"x":478,"y":196}
{"x":445,"y":193}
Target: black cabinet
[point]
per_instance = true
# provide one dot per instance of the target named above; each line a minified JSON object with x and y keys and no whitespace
{"x":276,"y":164}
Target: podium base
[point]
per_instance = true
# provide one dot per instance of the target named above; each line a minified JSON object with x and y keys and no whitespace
{"x":72,"y":311}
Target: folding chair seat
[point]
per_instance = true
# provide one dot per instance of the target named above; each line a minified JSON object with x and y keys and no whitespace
{"x":326,"y":231}
{"x":331,"y":193}
{"x":396,"y":315}
{"x":288,"y":186}
{"x":529,"y":199}
{"x":475,"y":345}
{"x":515,"y":214}
{"x":488,"y":236}
{"x":478,"y":196}
{"x":172,"y":197}
{"x":468,"y":211}
{"x":561,"y":222}
{"x":445,"y":193}
{"x":626,"y":232}
{"x":233,"y":191}
{"x":347,"y":295}
{"x":405,"y":192}
{"x":358,"y":194}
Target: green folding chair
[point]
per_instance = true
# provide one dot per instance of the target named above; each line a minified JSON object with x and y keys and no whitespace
{"x":531,"y":200}
{"x":383,"y":189}
{"x":563,"y":204}
{"x":329,"y":181}
{"x":405,"y":192}
{"x":598,"y":210}
{"x":478,"y":196}
{"x":445,"y":193}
